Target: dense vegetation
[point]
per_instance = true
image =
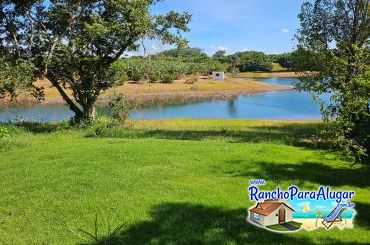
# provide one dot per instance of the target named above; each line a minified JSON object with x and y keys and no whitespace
{"x":254,"y":61}
{"x":334,"y":42}
{"x":166,"y":66}
{"x":176,"y":63}
{"x":285,"y":60}
{"x":164,"y":182}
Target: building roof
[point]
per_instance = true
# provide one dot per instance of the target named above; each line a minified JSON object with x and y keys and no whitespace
{"x":266,"y":208}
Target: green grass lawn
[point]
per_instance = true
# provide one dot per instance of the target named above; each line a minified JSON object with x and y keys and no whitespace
{"x":168,"y":182}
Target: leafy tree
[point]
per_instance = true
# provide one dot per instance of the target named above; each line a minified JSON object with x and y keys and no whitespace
{"x":16,"y":75}
{"x":334,"y":41}
{"x":219,"y":54}
{"x":285,"y":60}
{"x":234,"y":61}
{"x":74,"y":42}
{"x":184,"y":52}
{"x":121,"y":106}
{"x":254,"y":61}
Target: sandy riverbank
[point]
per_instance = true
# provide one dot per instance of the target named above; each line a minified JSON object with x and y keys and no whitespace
{"x":178,"y":91}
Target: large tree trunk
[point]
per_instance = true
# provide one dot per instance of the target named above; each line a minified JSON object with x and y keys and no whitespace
{"x":83,"y":106}
{"x":89,"y":113}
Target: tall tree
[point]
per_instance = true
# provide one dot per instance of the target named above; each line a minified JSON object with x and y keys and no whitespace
{"x":334,"y":41}
{"x":254,"y":61}
{"x":73,"y":43}
{"x":219,"y":54}
{"x":183,"y":52}
{"x":234,"y":61}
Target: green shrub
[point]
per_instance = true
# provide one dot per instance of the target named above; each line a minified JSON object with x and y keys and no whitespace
{"x":121,"y":106}
{"x":102,"y":233}
{"x":9,"y":137}
{"x":137,"y":75}
{"x":4,"y":133}
{"x":121,"y":79}
{"x":154,"y":77}
{"x":168,"y":78}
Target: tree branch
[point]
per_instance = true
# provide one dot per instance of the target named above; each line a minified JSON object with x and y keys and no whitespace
{"x":57,"y":40}
{"x":32,"y":34}
{"x":71,"y":104}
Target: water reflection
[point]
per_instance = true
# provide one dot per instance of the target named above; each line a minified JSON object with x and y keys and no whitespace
{"x":271,"y":105}
{"x":232,"y":110}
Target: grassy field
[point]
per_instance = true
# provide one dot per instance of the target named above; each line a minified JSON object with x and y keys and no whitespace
{"x":165,"y":182}
{"x":276,"y":67}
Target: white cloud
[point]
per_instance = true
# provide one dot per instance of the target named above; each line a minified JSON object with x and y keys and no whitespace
{"x":285,"y":30}
{"x":245,"y":50}
{"x":221,"y":48}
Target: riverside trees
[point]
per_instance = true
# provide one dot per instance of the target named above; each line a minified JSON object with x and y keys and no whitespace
{"x":73,"y":43}
{"x":334,"y":40}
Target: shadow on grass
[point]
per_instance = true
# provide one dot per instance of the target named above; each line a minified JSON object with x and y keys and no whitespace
{"x":362,"y":217}
{"x":289,"y":134}
{"x":183,"y":223}
{"x":40,"y":127}
{"x":307,"y":171}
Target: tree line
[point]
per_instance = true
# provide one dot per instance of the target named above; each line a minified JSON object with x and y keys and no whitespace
{"x":250,"y":61}
{"x":176,"y":63}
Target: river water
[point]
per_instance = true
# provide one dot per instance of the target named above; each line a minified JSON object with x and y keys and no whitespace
{"x":269,"y":105}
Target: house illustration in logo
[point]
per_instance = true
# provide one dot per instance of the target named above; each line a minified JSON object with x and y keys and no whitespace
{"x":271,"y":212}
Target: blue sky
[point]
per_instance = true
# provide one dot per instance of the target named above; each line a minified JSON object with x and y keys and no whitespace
{"x":236,"y":25}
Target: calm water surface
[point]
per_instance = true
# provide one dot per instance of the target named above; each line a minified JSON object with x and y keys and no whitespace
{"x":271,"y":105}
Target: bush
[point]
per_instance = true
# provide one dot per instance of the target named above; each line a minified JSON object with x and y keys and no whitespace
{"x":168,"y":78}
{"x":4,"y":133}
{"x":12,"y":136}
{"x":265,"y":66}
{"x":121,"y":107}
{"x":137,"y":75}
{"x":154,"y":77}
